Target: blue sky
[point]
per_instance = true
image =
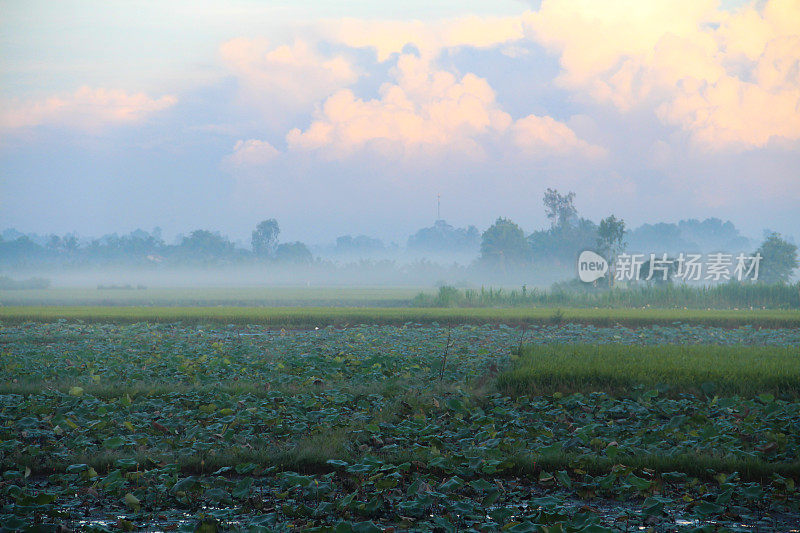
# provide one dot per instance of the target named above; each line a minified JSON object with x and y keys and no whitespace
{"x":349,"y":118}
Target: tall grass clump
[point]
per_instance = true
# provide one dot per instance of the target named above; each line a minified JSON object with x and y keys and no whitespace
{"x":613,"y":368}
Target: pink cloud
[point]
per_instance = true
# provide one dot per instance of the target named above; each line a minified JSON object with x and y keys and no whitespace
{"x":427,"y":112}
{"x":293,"y":75}
{"x":545,"y":136}
{"x":87,"y":110}
{"x":252,"y":153}
{"x":389,"y":37}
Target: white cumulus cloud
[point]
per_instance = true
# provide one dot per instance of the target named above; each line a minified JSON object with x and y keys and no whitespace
{"x":730,"y":79}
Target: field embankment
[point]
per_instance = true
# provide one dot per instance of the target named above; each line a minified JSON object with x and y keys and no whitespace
{"x":310,"y":317}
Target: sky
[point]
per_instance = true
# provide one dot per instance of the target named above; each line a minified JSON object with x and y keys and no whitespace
{"x":350,"y":117}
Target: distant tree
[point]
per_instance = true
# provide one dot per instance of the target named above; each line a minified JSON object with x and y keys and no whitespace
{"x":20,"y":252}
{"x":713,"y":235}
{"x":778,"y":259}
{"x":293,"y":252}
{"x":347,"y":244}
{"x":203,"y":244}
{"x":133,"y":248}
{"x":442,"y":237}
{"x":54,"y":242}
{"x":660,"y":237}
{"x":70,"y":243}
{"x":265,"y":237}
{"x":562,"y":244}
{"x":504,"y":245}
{"x":662,"y":274}
{"x":560,"y":208}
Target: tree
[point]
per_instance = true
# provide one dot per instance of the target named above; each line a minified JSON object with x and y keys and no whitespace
{"x":265,"y":237}
{"x":70,"y":243}
{"x":347,"y":244}
{"x":562,"y":244}
{"x":609,"y":237}
{"x":54,"y":242}
{"x":662,"y":273}
{"x":203,"y":244}
{"x":610,"y":233}
{"x":712,"y":234}
{"x":560,"y":209}
{"x":504,"y":245}
{"x":293,"y":252}
{"x":778,"y":259}
{"x":442,"y":237}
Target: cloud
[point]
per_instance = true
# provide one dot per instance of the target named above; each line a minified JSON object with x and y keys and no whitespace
{"x":293,"y":75}
{"x":545,"y":136}
{"x":389,"y":37}
{"x":251,"y":153}
{"x":730,"y":79}
{"x":427,"y":112}
{"x":87,"y":109}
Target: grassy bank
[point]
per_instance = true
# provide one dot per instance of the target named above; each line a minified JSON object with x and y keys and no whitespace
{"x":322,"y":316}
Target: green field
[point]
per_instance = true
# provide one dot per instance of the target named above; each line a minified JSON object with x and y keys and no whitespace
{"x":305,"y":317}
{"x":729,"y":296}
{"x":213,"y":296}
{"x":168,"y":426}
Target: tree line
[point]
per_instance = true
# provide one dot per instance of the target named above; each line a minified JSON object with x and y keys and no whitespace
{"x":504,"y":248}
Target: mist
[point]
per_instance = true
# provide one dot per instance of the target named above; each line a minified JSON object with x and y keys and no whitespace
{"x":434,"y":256}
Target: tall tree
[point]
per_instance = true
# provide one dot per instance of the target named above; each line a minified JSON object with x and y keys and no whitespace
{"x":265,"y":237}
{"x":560,"y":208}
{"x":778,"y":259}
{"x":610,"y":235}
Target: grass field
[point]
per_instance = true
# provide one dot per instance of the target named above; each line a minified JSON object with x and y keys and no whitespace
{"x":213,"y":296}
{"x":723,"y":296}
{"x":177,"y":427}
{"x":304,"y":317}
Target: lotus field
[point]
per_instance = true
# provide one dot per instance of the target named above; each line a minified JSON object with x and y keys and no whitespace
{"x":192,"y":426}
